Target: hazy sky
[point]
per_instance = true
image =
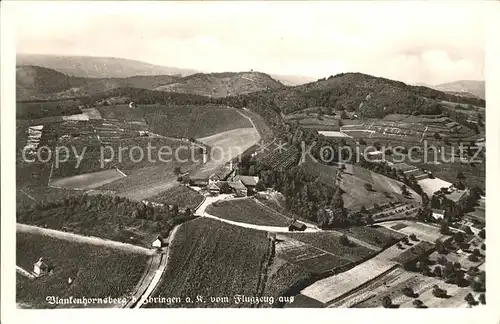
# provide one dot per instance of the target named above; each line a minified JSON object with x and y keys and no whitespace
{"x":411,"y":42}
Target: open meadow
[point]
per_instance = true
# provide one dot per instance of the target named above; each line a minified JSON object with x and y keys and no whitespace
{"x":96,"y":271}
{"x":423,"y":231}
{"x":211,"y":258}
{"x":87,"y":181}
{"x":335,"y":287}
{"x":353,"y":182}
{"x":247,"y":211}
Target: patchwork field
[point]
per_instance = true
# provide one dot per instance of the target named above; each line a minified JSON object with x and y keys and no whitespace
{"x":247,"y":211}
{"x":285,"y":278}
{"x":391,"y":285}
{"x":430,"y":186}
{"x":87,"y":181}
{"x":353,"y":183}
{"x":375,"y":235}
{"x":96,"y":271}
{"x":211,"y":258}
{"x":121,"y":112}
{"x":193,"y":121}
{"x":333,"y":288}
{"x":321,"y":252}
{"x":179,"y":195}
{"x":423,"y":231}
{"x":41,"y":109}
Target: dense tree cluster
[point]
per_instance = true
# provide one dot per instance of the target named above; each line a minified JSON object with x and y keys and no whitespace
{"x":104,"y":214}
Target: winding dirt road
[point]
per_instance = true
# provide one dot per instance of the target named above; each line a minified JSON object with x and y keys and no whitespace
{"x":158,"y":272}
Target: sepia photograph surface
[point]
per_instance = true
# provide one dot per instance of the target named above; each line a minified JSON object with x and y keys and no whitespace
{"x":250,"y":155}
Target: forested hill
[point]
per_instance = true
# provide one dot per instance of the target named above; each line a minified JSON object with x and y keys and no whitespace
{"x":223,"y":84}
{"x":39,"y":83}
{"x":371,"y":96}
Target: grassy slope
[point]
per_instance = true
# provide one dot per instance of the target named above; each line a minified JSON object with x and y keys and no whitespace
{"x":330,"y":242}
{"x":377,"y":236}
{"x":179,"y":195}
{"x":247,"y":211}
{"x":353,"y":181}
{"x":210,"y":258}
{"x":96,"y":271}
{"x":193,"y":121}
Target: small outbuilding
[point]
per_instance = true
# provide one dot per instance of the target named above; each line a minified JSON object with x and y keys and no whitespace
{"x":158,"y":243}
{"x":271,"y":236}
{"x":296,"y":226}
{"x":41,"y":267}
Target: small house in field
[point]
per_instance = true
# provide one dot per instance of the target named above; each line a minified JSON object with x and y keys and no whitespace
{"x":438,"y":214}
{"x":41,"y":268}
{"x":158,"y":243}
{"x":238,"y":188}
{"x":214,"y":189}
{"x":296,"y":226}
{"x":271,"y":236}
{"x":248,"y":181}
{"x":131,"y":105}
{"x":214,"y":177}
{"x":198,"y":182}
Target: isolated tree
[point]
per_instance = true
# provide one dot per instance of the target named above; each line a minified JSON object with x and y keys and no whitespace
{"x":408,"y":291}
{"x":473,"y":258}
{"x":457,"y":265}
{"x":260,"y":186}
{"x":361,"y":141}
{"x":437,"y":136}
{"x":177,"y":170}
{"x":445,"y":228}
{"x":343,"y":115}
{"x":413,"y":237}
{"x":405,"y":240}
{"x":483,"y":246}
{"x":437,"y":271}
{"x":460,"y":175}
{"x":404,"y":191}
{"x":460,"y":185}
{"x":464,"y":246}
{"x":482,"y":234}
{"x":368,"y":186}
{"x":470,"y":299}
{"x":459,"y":237}
{"x":386,"y":302}
{"x":418,"y":303}
{"x":344,"y":240}
{"x":482,"y":299}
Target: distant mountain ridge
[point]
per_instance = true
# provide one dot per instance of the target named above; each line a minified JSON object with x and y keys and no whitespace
{"x":98,"y":67}
{"x":39,"y":83}
{"x":476,"y":88}
{"x":223,"y":84}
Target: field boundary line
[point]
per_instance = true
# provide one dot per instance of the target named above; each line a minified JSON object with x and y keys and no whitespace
{"x":361,"y":286}
{"x":29,"y":196}
{"x":310,"y":225}
{"x":93,"y":240}
{"x":358,"y":241}
{"x":24,"y":272}
{"x":120,"y":171}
